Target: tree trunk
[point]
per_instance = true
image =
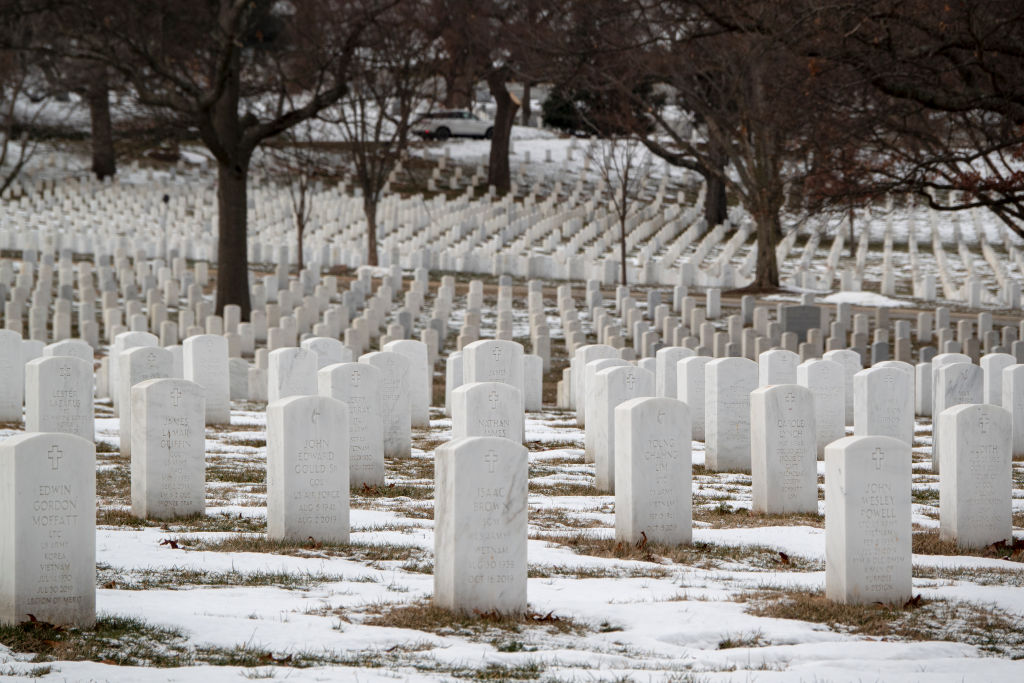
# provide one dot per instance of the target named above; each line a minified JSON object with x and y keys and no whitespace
{"x":458,"y":87}
{"x":299,"y":229}
{"x":768,"y":227}
{"x":852,"y":248}
{"x":232,"y":226}
{"x":715,"y":206}
{"x":370,"y":210}
{"x":232,"y":201}
{"x":498,"y":173}
{"x":527,"y":109}
{"x":103,"y":159}
{"x":622,"y":246}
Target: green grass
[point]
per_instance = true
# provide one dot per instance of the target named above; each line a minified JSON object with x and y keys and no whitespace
{"x":31,"y":672}
{"x":219,"y":522}
{"x":124,"y":641}
{"x":988,"y":627}
{"x":370,"y":553}
{"x":925,"y":496}
{"x":236,"y":474}
{"x":754,"y":639}
{"x":725,"y":516}
{"x":247,"y":442}
{"x":428,"y":617}
{"x":701,"y":555}
{"x":930,"y":543}
{"x":179,"y":577}
{"x":393,"y":490}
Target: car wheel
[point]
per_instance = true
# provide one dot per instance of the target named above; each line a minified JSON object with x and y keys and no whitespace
{"x":442,"y":133}
{"x":489,"y":134}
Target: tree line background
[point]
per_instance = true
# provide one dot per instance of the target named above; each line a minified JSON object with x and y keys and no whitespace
{"x":781,"y":105}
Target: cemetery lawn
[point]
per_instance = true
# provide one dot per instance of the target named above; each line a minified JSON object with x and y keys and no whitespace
{"x":213,"y":599}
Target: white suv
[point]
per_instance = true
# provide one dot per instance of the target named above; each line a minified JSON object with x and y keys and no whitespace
{"x":441,"y":125}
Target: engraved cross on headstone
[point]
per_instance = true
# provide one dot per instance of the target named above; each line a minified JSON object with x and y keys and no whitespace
{"x":175,"y":397}
{"x":496,"y":352}
{"x":878,"y":455}
{"x":790,"y":399}
{"x":491,"y":458}
{"x":316,"y":415}
{"x":355,"y":378}
{"x":983,"y":423}
{"x":55,"y":454}
{"x":631,"y":381}
{"x":493,"y":398}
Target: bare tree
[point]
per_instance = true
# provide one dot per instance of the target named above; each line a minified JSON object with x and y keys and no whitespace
{"x":388,"y":83}
{"x":752,"y":104}
{"x":492,"y":40}
{"x":16,"y":147}
{"x":623,"y":164}
{"x":303,"y":167}
{"x":23,"y":94}
{"x":942,"y":96}
{"x":238,"y":72}
{"x":743,"y":93}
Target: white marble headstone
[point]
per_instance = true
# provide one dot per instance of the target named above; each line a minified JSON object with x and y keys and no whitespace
{"x":867,"y":520}
{"x":452,"y":378}
{"x":48,"y":529}
{"x":727,"y":386}
{"x":291,"y":372}
{"x":421,"y":378}
{"x":851,"y":362}
{"x":826,"y":379}
{"x":12,"y":369}
{"x":58,"y":396}
{"x":480,"y":508}
{"x":690,"y":390}
{"x":976,"y":479}
{"x":993,"y":365}
{"x":138,"y":364}
{"x":783,"y":450}
{"x":205,"y":359}
{"x":491,"y":360}
{"x":613,"y":386}
{"x":777,"y":366}
{"x":1013,"y":402}
{"x":592,"y":410}
{"x":168,"y":434}
{"x":328,"y":351}
{"x":955,"y":384}
{"x":653,"y":471}
{"x":667,"y":360}
{"x":122,"y":342}
{"x":394,"y":395}
{"x":487,"y":409}
{"x":307,"y":469}
{"x":76,"y":348}
{"x":358,"y":386}
{"x":883,"y":402}
{"x":581,"y":358}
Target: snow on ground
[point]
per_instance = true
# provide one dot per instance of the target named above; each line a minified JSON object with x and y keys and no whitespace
{"x":863,"y":299}
{"x":635,"y":617}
